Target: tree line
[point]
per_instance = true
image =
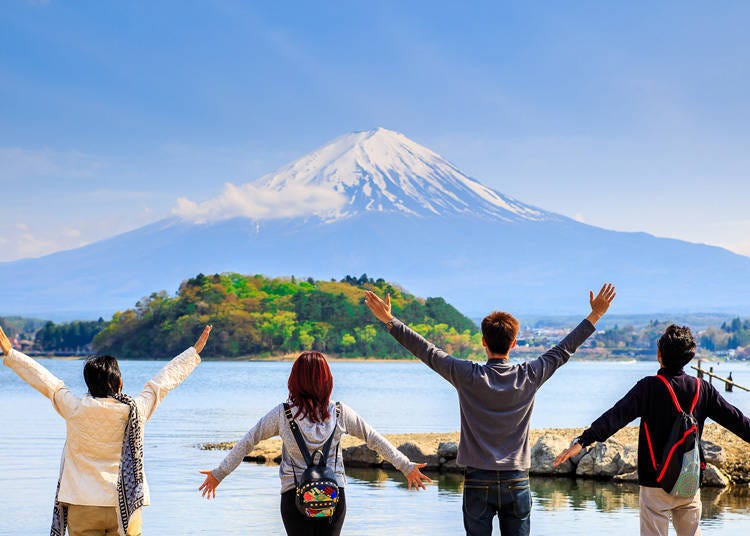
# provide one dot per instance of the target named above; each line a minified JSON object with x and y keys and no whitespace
{"x":257,"y":315}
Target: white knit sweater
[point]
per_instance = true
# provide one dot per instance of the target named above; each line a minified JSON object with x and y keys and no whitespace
{"x":95,"y":426}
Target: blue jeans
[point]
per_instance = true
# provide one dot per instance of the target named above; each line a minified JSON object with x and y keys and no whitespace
{"x":505,"y":493}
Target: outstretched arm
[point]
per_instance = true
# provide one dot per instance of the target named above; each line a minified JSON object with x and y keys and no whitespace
{"x":628,"y":408}
{"x":170,"y":376}
{"x":267,"y":427}
{"x":449,"y":367}
{"x":357,"y":427}
{"x":38,"y":377}
{"x":726,"y":414}
{"x":545,"y":365}
{"x":5,"y":345}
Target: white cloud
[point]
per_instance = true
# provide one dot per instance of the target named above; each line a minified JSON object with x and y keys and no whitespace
{"x":579,"y":217}
{"x":259,"y":203}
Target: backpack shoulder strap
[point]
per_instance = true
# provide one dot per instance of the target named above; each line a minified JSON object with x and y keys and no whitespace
{"x":671,"y":392}
{"x":327,"y":447}
{"x":697,"y":395}
{"x":674,"y":396}
{"x":297,"y":434}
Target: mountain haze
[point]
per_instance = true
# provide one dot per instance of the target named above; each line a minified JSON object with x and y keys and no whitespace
{"x":377,"y":202}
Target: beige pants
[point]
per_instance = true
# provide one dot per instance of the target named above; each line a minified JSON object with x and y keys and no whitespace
{"x":98,"y":521}
{"x":656,"y":507}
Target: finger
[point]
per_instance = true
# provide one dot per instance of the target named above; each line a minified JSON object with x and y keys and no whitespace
{"x":591,"y":296}
{"x":388,"y":300}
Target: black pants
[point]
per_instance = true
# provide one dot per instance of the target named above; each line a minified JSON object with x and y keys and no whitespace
{"x":297,"y":524}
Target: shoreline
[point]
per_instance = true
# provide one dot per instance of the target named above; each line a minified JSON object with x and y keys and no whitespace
{"x":614,"y":460}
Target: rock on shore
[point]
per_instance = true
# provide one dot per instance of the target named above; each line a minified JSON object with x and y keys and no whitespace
{"x":616,"y":458}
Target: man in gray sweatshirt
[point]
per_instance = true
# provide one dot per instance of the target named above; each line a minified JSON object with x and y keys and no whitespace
{"x":496,"y":400}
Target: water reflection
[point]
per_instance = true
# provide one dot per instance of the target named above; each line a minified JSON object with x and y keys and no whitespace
{"x":561,"y":494}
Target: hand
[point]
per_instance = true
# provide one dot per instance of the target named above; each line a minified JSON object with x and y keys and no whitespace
{"x":416,"y":479}
{"x":209,"y":486}
{"x":573,"y":450}
{"x":201,"y":342}
{"x":600,"y":304}
{"x":381,"y":309}
{"x":5,"y":343}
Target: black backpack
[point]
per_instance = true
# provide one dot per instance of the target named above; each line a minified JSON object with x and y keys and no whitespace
{"x":317,"y":491}
{"x":679,"y":469}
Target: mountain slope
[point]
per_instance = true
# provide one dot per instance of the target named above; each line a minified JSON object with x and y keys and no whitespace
{"x":384,"y":171}
{"x":408,"y":216}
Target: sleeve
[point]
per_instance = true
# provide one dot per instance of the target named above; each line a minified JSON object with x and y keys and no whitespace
{"x":357,"y":427}
{"x":542,"y":368}
{"x":29,"y":370}
{"x":725,"y":413}
{"x":267,"y":427}
{"x":452,"y":369}
{"x":629,"y":407}
{"x":169,"y":377}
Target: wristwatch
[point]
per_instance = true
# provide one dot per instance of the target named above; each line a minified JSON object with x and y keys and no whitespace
{"x":576,"y":440}
{"x":389,"y":324}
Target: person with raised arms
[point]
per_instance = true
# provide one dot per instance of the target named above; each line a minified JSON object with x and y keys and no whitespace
{"x":673,"y":407}
{"x":102,"y":486}
{"x":496,"y":399}
{"x":313,"y":501}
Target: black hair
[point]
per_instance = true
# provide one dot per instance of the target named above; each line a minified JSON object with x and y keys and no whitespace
{"x":676,"y":347}
{"x":102,"y":375}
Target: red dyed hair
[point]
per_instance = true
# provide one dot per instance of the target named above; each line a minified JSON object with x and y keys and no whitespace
{"x":310,"y":386}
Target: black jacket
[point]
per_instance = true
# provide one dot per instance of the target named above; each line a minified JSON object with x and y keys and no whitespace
{"x":650,"y":400}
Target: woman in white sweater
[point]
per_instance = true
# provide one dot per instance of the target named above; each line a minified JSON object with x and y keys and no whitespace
{"x":102,"y":486}
{"x":319,"y":420}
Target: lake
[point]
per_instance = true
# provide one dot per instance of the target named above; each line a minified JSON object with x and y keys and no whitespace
{"x":222,"y":400}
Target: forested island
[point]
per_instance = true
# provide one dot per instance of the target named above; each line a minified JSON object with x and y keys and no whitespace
{"x":264,"y":317}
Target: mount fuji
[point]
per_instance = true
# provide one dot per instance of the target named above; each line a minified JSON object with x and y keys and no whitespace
{"x":377,"y":202}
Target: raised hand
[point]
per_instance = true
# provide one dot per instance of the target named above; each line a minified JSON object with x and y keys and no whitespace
{"x":568,"y":453}
{"x":416,"y":479}
{"x":5,"y":343}
{"x":201,"y":342}
{"x":601,"y":302}
{"x":208,"y":488}
{"x":381,"y":309}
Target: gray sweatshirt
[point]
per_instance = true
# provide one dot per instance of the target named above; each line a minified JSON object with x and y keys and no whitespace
{"x":315,"y":434}
{"x":496,"y":399}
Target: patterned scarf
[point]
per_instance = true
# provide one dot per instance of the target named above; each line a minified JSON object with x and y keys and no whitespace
{"x":129,"y":482}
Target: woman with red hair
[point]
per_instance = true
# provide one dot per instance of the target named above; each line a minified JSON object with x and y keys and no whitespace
{"x":319,"y":421}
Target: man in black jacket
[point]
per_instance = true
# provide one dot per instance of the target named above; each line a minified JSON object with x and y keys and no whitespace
{"x":651,"y":400}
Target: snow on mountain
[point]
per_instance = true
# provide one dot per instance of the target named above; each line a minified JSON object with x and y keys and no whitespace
{"x":369,"y":171}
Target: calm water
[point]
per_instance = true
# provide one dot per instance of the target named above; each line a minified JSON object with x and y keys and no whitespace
{"x":220,"y":401}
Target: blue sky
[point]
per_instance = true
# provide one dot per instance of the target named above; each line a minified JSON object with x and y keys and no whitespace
{"x":630,"y":115}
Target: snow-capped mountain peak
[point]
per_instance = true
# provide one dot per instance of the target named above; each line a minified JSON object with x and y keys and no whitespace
{"x":383,"y":170}
{"x":367,"y":171}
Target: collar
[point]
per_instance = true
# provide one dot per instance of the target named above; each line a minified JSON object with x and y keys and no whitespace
{"x":670,"y":372}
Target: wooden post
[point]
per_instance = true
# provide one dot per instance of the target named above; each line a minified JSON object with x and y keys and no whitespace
{"x":711,"y":376}
{"x":728,"y":385}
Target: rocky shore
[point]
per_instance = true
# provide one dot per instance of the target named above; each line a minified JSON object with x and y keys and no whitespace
{"x":616,"y":459}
